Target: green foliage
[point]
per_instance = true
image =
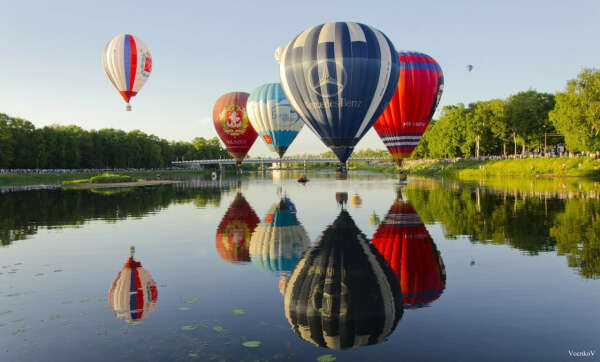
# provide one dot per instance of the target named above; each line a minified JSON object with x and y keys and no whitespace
{"x":111,"y":178}
{"x":577,"y":112}
{"x":24,"y":146}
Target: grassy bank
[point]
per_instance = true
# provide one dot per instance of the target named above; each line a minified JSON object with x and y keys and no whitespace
{"x":536,"y":167}
{"x":58,"y":178}
{"x":105,"y":178}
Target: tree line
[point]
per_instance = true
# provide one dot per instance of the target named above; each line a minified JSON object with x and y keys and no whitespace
{"x":55,"y":147}
{"x":525,"y":121}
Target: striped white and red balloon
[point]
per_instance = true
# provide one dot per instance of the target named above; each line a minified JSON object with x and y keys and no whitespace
{"x":128,"y":63}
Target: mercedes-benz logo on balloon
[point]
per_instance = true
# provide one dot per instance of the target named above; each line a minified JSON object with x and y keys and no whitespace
{"x":327,"y":78}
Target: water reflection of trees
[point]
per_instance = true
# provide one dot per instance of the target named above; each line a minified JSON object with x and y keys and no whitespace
{"x":527,"y":220}
{"x":23,"y":213}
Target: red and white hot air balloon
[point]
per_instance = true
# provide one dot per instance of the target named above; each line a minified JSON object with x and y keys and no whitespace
{"x":128,"y":63}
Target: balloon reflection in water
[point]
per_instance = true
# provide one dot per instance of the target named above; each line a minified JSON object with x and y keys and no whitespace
{"x":405,"y":243}
{"x":356,"y":201}
{"x":235,"y":230}
{"x":342,"y":294}
{"x":279,"y":241}
{"x":133,"y":293}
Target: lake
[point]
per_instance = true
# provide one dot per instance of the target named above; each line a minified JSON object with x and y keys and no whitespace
{"x":263,"y":268}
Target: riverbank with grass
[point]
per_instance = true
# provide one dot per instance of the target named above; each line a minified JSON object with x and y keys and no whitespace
{"x":31,"y":179}
{"x":527,"y":167}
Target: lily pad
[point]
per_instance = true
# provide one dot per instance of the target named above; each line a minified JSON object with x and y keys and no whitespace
{"x":183,"y":309}
{"x":326,"y":358}
{"x":218,"y":329}
{"x":57,"y":270}
{"x":54,"y":317}
{"x":188,"y":328}
{"x":5,"y":312}
{"x":192,"y":300}
{"x":21,"y":330}
{"x":38,"y":274}
{"x":192,"y":355}
{"x":238,"y":312}
{"x":251,"y":344}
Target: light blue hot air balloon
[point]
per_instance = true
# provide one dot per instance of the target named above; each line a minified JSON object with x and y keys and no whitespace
{"x":339,"y":77}
{"x":272,"y":116}
{"x":279,"y":241}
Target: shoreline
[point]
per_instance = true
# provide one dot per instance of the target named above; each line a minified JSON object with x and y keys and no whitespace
{"x":85,"y":186}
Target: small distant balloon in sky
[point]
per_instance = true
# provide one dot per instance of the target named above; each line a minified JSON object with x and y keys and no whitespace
{"x":469,"y":67}
{"x":128,"y":63}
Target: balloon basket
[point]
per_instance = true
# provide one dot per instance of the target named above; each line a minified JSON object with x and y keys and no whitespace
{"x":128,"y":107}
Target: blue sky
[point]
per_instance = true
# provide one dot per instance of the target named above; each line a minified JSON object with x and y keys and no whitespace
{"x":51,"y":69}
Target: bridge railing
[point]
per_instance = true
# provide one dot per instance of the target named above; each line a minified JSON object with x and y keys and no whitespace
{"x":230,"y":161}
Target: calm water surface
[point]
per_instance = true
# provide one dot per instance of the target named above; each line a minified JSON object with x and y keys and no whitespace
{"x":266,"y":269}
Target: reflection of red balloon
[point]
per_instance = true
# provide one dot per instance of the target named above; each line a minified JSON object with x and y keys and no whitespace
{"x":404,"y":242}
{"x":407,"y":115}
{"x":133,"y":293}
{"x":232,"y":124}
{"x":235,"y":230}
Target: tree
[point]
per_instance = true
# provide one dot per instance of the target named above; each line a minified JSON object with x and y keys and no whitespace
{"x":528,"y":116}
{"x":577,"y":112}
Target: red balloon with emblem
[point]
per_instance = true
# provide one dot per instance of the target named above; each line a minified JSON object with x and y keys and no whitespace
{"x":232,"y":124}
{"x":408,"y":114}
{"x":405,"y":243}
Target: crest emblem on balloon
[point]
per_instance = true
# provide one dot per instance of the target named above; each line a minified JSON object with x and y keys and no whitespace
{"x":234,"y":119}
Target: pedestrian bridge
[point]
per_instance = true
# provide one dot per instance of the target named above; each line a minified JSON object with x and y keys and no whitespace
{"x":262,"y":161}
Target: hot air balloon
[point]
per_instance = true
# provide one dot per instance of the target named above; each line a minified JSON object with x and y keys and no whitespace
{"x":235,"y":230}
{"x":469,"y":67}
{"x":374,"y":219}
{"x":409,"y":112}
{"x":133,"y":293}
{"x":339,"y":77}
{"x":272,"y":116}
{"x":404,"y":242}
{"x":232,"y":124}
{"x":342,"y":294}
{"x":128,"y":64}
{"x":278,"y":53}
{"x":279,"y":240}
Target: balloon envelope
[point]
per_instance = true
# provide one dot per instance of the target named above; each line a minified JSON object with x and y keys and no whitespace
{"x":127,"y":63}
{"x":342,"y":294}
{"x":272,"y":116}
{"x":235,"y":230}
{"x":339,"y":77}
{"x":279,"y":240}
{"x":405,"y":243}
{"x":232,"y":124}
{"x":409,"y":112}
{"x":133,"y":293}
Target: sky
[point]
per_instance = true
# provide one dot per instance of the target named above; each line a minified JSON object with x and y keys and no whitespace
{"x":51,"y":67}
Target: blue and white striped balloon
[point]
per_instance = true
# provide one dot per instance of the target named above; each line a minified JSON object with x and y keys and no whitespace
{"x":272,"y":116}
{"x":340,"y":77}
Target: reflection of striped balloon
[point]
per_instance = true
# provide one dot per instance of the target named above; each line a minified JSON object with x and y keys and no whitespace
{"x":133,"y":293}
{"x":409,"y":112}
{"x":339,"y":77}
{"x":235,"y":230}
{"x":272,"y":116}
{"x":404,"y":242}
{"x":279,"y":241}
{"x":342,"y":294}
{"x":127,"y":63}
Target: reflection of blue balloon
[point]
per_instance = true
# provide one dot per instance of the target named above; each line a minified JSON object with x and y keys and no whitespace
{"x":469,"y":67}
{"x":339,"y":77}
{"x":272,"y":116}
{"x":279,"y":241}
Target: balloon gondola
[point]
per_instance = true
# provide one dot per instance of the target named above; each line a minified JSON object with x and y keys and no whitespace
{"x":339,"y":77}
{"x":279,"y":240}
{"x":127,"y":63}
{"x":342,"y":294}
{"x":410,"y":110}
{"x":133,"y":293}
{"x":405,"y":243}
{"x":233,"y":126}
{"x":235,"y":230}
